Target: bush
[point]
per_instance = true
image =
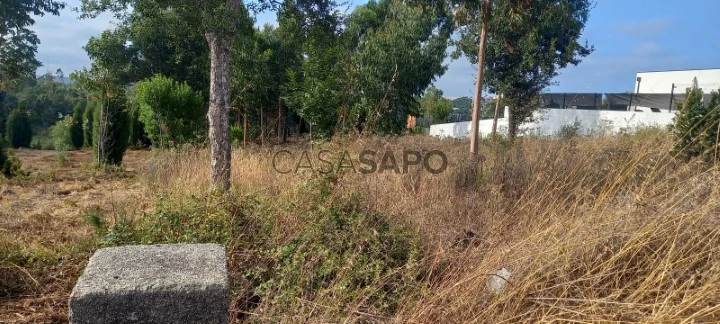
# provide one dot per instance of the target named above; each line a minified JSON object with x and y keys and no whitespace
{"x":172,"y":112}
{"x":136,"y":129}
{"x":696,"y":125}
{"x":61,"y":134}
{"x":569,"y":131}
{"x":9,"y":163}
{"x":76,"y":129}
{"x":87,"y":123}
{"x":19,"y":131}
{"x":110,"y":146}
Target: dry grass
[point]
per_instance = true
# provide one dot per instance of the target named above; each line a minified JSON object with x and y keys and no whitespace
{"x":593,"y":229}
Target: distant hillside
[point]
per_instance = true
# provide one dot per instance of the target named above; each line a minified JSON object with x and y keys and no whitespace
{"x":462,"y":103}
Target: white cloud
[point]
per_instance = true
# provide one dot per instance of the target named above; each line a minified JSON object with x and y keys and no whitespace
{"x":62,"y":38}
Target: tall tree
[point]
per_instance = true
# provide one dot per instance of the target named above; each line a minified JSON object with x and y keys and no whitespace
{"x":219,"y":20}
{"x":18,"y":44}
{"x":399,"y":49}
{"x":528,"y":42}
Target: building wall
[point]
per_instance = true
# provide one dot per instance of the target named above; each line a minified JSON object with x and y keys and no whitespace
{"x":661,"y":82}
{"x":549,"y":122}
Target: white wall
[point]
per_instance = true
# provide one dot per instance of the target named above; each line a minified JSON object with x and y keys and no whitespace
{"x":661,"y":82}
{"x":549,"y":122}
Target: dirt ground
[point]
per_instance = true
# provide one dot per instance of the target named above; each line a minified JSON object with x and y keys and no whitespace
{"x":44,"y":212}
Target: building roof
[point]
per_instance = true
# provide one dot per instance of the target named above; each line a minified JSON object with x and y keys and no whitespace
{"x":679,"y":70}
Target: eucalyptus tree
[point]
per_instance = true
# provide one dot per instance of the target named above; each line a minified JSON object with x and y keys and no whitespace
{"x":314,"y":90}
{"x":527,"y":43}
{"x":398,"y":50}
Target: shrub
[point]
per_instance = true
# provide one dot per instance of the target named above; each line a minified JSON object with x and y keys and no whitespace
{"x":9,"y":163}
{"x":76,"y":129}
{"x":569,"y":131}
{"x":19,"y":131}
{"x":136,"y":128}
{"x":87,"y":123}
{"x":110,"y":146}
{"x":696,"y":125}
{"x":61,"y":134}
{"x":173,"y":113}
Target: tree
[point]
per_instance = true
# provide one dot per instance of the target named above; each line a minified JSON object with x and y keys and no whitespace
{"x":47,"y":100}
{"x":314,"y":90}
{"x":18,"y":44}
{"x":76,"y":128}
{"x":110,"y":118}
{"x":110,"y":129}
{"x":398,"y":50}
{"x":171,"y":112}
{"x":18,"y":129}
{"x":434,"y":104}
{"x":528,"y":42}
{"x":696,"y":125}
{"x":218,"y":20}
{"x":87,"y":123}
{"x":9,"y":163}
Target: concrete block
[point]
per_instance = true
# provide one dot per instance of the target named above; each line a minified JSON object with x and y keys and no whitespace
{"x":172,"y":283}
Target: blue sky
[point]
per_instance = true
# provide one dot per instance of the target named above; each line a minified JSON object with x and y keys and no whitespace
{"x":629,"y":36}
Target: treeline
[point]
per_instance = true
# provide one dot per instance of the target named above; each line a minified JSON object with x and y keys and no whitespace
{"x":322,"y":70}
{"x":319,"y":71}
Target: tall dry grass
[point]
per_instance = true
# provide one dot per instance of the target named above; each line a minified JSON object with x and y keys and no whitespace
{"x":592,"y":229}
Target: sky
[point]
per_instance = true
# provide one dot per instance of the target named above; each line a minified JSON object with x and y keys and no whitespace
{"x":629,"y":36}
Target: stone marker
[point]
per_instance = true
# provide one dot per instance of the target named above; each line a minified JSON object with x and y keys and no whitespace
{"x":174,"y":283}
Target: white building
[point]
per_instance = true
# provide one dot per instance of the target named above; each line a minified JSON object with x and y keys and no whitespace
{"x":662,"y":81}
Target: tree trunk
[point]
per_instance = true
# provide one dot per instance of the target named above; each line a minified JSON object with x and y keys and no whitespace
{"x":218,"y":112}
{"x":479,"y":83}
{"x":497,"y":113}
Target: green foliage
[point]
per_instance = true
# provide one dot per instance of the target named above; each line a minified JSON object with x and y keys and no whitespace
{"x":18,"y":129}
{"x":42,"y":141}
{"x":46,"y":100}
{"x":236,"y":134}
{"x":9,"y":163}
{"x":110,"y":138}
{"x":398,"y":49}
{"x":528,"y":42}
{"x":88,"y":122}
{"x":138,"y":137}
{"x":570,"y":130}
{"x":434,"y":104}
{"x":696,"y":125}
{"x":18,"y":43}
{"x":61,"y":134}
{"x":359,"y":252}
{"x":76,"y":129}
{"x":338,"y":253}
{"x":171,"y":112}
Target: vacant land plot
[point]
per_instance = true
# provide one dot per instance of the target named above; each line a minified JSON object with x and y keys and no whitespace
{"x":610,"y":229}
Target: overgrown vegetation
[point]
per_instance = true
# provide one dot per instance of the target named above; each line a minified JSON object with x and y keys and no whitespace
{"x":591,"y":225}
{"x":697,"y":126}
{"x":18,"y":131}
{"x":171,"y":112}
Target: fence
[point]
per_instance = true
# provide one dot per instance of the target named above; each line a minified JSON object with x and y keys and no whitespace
{"x":549,"y":122}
